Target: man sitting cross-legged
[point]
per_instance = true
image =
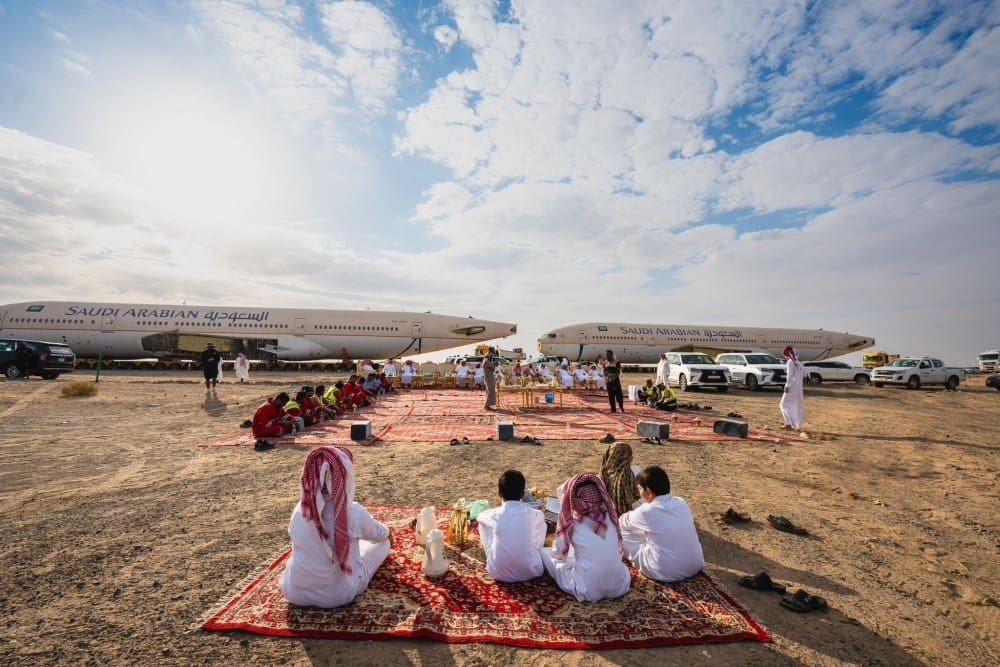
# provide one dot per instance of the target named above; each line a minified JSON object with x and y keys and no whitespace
{"x":512,"y":534}
{"x":659,"y":536}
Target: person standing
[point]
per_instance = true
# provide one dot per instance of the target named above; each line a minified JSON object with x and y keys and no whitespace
{"x":663,"y":370}
{"x":490,"y":377}
{"x":242,"y":368}
{"x":25,"y":359}
{"x":210,"y":360}
{"x":613,"y":377}
{"x":792,"y":403}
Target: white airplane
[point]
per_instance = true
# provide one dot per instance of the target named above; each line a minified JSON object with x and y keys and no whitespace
{"x":643,"y":343}
{"x":140,"y":331}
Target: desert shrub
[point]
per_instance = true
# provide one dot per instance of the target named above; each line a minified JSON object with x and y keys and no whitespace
{"x":79,"y":388}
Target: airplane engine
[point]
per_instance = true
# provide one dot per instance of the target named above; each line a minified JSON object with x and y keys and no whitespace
{"x":294,"y":348}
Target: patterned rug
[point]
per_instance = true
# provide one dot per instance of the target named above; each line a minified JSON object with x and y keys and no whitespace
{"x":467,"y":606}
{"x":439,"y":415}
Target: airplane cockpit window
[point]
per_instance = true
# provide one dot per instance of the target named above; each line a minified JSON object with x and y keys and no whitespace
{"x":551,"y":335}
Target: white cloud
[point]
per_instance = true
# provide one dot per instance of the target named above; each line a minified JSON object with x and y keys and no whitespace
{"x":800,"y":170}
{"x":60,"y":36}
{"x":445,"y":36}
{"x":76,"y":67}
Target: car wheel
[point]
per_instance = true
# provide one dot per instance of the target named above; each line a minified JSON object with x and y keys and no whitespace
{"x":12,"y":372}
{"x":815,"y":378}
{"x":751,"y":382}
{"x":913,"y":382}
{"x":722,"y":390}
{"x":879,"y":384}
{"x":682,"y":382}
{"x":951,"y":384}
{"x":861,"y":378}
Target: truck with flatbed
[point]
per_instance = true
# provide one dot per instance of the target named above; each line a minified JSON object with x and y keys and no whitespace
{"x":916,"y":372}
{"x":876,"y":359}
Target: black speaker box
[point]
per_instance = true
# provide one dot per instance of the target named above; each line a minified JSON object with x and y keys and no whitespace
{"x":731,"y":427}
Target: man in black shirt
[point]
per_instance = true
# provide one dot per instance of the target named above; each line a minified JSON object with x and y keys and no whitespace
{"x":210,"y":360}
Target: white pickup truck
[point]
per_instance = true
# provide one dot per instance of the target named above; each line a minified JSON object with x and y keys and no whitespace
{"x":915,"y":372}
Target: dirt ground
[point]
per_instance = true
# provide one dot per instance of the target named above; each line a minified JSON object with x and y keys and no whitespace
{"x":119,"y":532}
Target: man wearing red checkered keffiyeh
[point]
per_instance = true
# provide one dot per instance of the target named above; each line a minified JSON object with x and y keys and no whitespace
{"x":586,"y":558}
{"x":336,"y":544}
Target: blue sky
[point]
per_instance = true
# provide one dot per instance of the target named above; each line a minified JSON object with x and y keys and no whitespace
{"x":794,"y":164}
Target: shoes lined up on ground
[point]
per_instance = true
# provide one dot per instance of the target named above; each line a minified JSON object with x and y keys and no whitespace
{"x":528,"y":440}
{"x":653,"y":441}
{"x":801,"y":601}
{"x":694,"y":406}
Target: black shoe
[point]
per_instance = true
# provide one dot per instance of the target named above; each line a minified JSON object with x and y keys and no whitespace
{"x":263,"y":445}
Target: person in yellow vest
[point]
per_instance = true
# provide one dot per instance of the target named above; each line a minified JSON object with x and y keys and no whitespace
{"x":663,"y":398}
{"x":294,"y":410}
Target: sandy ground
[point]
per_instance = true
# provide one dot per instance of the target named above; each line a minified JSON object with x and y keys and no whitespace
{"x":119,"y":532}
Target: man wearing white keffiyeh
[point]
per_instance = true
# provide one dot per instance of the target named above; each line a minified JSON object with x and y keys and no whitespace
{"x":792,"y":402}
{"x":336,"y":544}
{"x":586,"y":558}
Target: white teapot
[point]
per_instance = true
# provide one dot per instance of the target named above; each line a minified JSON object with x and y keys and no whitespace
{"x":435,"y":563}
{"x":426,"y":522}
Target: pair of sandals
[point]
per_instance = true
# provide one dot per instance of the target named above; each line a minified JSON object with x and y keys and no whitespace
{"x":246,"y":423}
{"x":262,"y":445}
{"x":456,"y":441}
{"x":653,"y":441}
{"x":608,"y":439}
{"x":735,"y":415}
{"x":528,"y":440}
{"x":801,"y":601}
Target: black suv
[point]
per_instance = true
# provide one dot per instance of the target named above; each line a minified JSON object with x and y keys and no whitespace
{"x":48,"y":359}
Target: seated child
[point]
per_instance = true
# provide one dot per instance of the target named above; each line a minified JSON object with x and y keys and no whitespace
{"x":659,"y":536}
{"x":618,"y":474}
{"x":586,"y":558}
{"x":512,"y":534}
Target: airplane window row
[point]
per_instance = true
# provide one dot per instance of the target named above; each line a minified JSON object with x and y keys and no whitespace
{"x":355,"y":328}
{"x":39,"y":320}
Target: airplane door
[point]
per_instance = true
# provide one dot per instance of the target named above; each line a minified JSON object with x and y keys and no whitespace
{"x":107,"y":324}
{"x":583,"y":336}
{"x":417,"y":329}
{"x":299,"y":328}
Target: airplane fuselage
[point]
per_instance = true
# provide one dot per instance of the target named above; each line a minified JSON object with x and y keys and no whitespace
{"x":643,"y":343}
{"x":138,"y":331}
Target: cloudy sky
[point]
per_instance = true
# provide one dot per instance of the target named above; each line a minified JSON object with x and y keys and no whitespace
{"x":802,"y":164}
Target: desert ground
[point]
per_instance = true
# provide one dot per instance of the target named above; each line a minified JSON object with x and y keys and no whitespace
{"x":119,"y":532}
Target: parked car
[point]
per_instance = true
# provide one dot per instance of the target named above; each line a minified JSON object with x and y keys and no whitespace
{"x":994,"y":381}
{"x":754,"y":371}
{"x":914,"y":372}
{"x":695,"y":370}
{"x":52,"y":358}
{"x":827,"y":371}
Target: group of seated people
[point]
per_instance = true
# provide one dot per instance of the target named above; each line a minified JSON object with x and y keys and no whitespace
{"x":624,"y":515}
{"x":658,"y":396}
{"x":312,"y":405}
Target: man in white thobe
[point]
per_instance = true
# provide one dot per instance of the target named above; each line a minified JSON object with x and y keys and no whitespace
{"x":512,"y":534}
{"x":663,"y":370}
{"x":659,"y":536}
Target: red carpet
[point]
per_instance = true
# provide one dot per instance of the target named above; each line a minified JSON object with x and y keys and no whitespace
{"x":438,"y":415}
{"x":467,"y":606}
